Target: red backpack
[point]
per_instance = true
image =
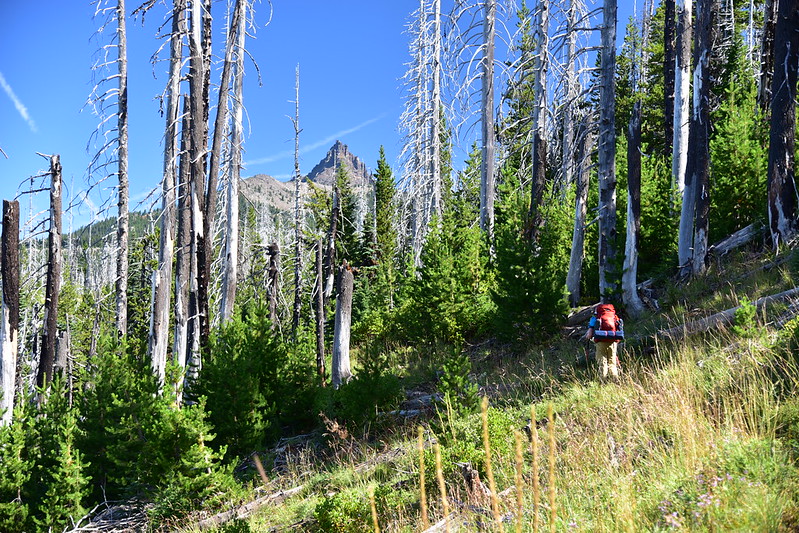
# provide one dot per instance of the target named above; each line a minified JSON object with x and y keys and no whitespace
{"x":609,"y":327}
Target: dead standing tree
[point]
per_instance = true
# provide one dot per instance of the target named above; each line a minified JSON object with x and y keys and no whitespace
{"x":236,"y":39}
{"x":162,"y":277}
{"x":606,"y":169}
{"x":298,"y":212}
{"x":782,"y":208}
{"x":44,"y":375}
{"x":113,"y":149}
{"x":340,"y":371}
{"x":632,"y":302}
{"x":9,"y":333}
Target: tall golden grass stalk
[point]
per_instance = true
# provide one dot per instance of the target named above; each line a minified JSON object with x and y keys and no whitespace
{"x":422,"y":493}
{"x":442,"y":487}
{"x":536,"y":487}
{"x":553,"y":512}
{"x":489,"y":471}
{"x":519,"y":482}
{"x":374,"y":509}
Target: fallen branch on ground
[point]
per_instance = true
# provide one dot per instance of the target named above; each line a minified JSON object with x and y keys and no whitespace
{"x":722,"y":318}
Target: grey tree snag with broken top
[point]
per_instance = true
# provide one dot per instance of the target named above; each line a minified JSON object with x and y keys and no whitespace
{"x":9,"y":332}
{"x":162,"y":277}
{"x":44,"y":375}
{"x":782,"y":209}
{"x":340,"y":371}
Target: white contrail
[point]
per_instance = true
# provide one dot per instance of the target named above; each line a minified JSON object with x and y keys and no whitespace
{"x":313,"y":146}
{"x":23,"y":111}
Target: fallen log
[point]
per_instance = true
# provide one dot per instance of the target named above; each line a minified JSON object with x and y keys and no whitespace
{"x":736,"y":240}
{"x":246,"y":510}
{"x":722,"y":318}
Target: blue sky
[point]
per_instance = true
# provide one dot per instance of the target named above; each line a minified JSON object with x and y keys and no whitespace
{"x":352,"y":54}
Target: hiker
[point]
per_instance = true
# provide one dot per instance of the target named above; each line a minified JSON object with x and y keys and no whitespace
{"x":606,"y":330}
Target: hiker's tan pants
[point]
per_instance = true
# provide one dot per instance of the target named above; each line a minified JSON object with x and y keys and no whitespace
{"x":607,"y":358}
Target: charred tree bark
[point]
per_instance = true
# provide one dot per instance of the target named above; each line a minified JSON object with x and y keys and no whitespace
{"x":608,"y":275}
{"x":632,"y":302}
{"x":122,"y":220}
{"x":274,"y":282}
{"x":162,"y":277}
{"x":53,"y":285}
{"x":231,"y":263}
{"x":487,"y":123}
{"x":320,"y":316}
{"x":9,"y":340}
{"x":198,"y":110}
{"x":539,"y":122}
{"x":767,"y":59}
{"x":183,"y":246}
{"x":330,"y":257}
{"x":699,"y":145}
{"x":341,"y":372}
{"x":668,"y":74}
{"x":580,"y":209}
{"x":782,"y":210}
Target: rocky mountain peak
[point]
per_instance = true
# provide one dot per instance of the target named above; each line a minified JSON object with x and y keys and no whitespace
{"x":324,"y":173}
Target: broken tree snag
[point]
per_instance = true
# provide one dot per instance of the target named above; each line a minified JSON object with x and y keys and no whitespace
{"x":723,"y":318}
{"x":53,"y":284}
{"x":10,"y":326}
{"x":274,"y":279}
{"x":341,"y":333}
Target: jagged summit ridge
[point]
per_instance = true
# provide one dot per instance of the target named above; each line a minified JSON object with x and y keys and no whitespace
{"x":324,"y":173}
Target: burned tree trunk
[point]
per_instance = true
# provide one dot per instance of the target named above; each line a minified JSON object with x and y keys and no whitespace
{"x":539,"y":123}
{"x":487,"y":122}
{"x":330,"y":257}
{"x":162,"y":277}
{"x":699,"y":141}
{"x":580,"y":209}
{"x":53,"y":283}
{"x":274,"y":282}
{"x":122,"y":220}
{"x":231,"y":266}
{"x":340,"y":373}
{"x":782,"y":207}
{"x":682,"y":97}
{"x":606,"y":172}
{"x":767,"y":60}
{"x":632,"y":302}
{"x":320,"y":316}
{"x":9,"y":341}
{"x":298,"y":214}
{"x":668,"y":74}
{"x":183,"y":248}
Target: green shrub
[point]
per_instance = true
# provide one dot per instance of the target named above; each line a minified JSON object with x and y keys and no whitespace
{"x":744,"y":322}
{"x":255,"y":383}
{"x":373,"y":389}
{"x":459,"y":392}
{"x":344,"y":512}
